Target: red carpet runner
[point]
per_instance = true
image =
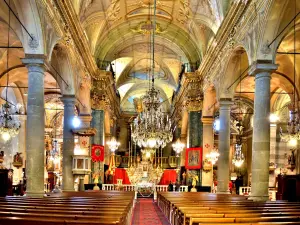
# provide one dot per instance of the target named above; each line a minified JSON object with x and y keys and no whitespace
{"x":146,"y":212}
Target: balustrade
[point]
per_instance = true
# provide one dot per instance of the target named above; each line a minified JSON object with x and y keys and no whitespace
{"x":161,"y":188}
{"x":247,"y":191}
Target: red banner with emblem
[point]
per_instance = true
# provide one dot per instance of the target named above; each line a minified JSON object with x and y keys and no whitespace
{"x":97,"y":153}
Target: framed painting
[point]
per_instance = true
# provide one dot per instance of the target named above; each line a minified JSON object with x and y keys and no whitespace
{"x":193,"y":158}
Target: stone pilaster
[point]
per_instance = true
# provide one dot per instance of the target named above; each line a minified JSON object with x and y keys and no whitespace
{"x":35,"y":125}
{"x":261,"y":130}
{"x":68,"y":143}
{"x":98,"y":124}
{"x":207,"y":145}
{"x":224,"y":146}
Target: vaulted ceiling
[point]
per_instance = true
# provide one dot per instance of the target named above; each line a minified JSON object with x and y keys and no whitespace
{"x":119,"y":31}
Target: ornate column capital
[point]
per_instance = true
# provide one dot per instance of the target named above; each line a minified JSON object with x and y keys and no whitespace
{"x":35,"y":62}
{"x":262,"y":66}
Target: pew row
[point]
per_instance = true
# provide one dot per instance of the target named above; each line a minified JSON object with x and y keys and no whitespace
{"x":101,"y":208}
{"x":202,"y":208}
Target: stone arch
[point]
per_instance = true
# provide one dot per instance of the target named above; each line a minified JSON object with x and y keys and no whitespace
{"x":277,"y":13}
{"x":209,"y":101}
{"x":236,"y":64}
{"x":28,"y":13}
{"x":64,"y":69}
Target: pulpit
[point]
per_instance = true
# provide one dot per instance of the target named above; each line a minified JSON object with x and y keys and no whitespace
{"x":81,"y":167}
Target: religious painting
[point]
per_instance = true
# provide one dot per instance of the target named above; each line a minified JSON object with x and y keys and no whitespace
{"x":193,"y":158}
{"x":97,"y":153}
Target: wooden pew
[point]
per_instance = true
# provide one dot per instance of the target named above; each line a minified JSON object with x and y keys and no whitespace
{"x":68,"y":208}
{"x":190,"y":208}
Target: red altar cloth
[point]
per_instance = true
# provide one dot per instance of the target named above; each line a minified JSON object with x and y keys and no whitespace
{"x":121,"y":173}
{"x":168,"y":175}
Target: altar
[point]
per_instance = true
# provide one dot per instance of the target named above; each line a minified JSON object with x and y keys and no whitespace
{"x":145,"y":176}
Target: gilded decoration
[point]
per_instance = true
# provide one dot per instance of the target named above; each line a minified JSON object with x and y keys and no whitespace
{"x":194,"y":96}
{"x":146,"y":28}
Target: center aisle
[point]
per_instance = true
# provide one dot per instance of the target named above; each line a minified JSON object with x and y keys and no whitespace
{"x":146,"y":212}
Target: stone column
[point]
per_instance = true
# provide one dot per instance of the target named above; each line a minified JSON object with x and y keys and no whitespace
{"x":35,"y":127}
{"x":224,"y":146}
{"x":68,"y":143}
{"x":98,"y":139}
{"x":261,"y":130}
{"x":207,"y":145}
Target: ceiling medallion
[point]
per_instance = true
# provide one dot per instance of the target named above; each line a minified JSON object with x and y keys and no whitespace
{"x":147,"y":27}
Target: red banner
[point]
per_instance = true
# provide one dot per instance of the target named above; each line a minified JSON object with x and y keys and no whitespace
{"x":193,"y":158}
{"x":97,"y":153}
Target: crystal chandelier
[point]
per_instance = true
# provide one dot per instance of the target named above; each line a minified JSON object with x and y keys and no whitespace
{"x":293,"y":128}
{"x":238,"y":158}
{"x":9,"y":127}
{"x":178,"y":147}
{"x":113,"y":144}
{"x":151,"y":129}
{"x":213,"y":155}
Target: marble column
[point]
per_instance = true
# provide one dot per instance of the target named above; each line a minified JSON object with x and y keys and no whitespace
{"x":207,"y":145}
{"x":224,"y":146}
{"x":195,"y":127}
{"x":98,"y":139}
{"x":35,"y":127}
{"x":98,"y":124}
{"x":68,"y":143}
{"x":261,"y":130}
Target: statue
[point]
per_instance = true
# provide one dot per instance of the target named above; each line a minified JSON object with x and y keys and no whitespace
{"x":292,"y":160}
{"x":184,"y":178}
{"x":96,"y":180}
{"x":194,"y":183}
{"x":17,"y":160}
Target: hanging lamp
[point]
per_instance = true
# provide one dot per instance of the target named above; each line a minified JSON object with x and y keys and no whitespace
{"x":9,"y":126}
